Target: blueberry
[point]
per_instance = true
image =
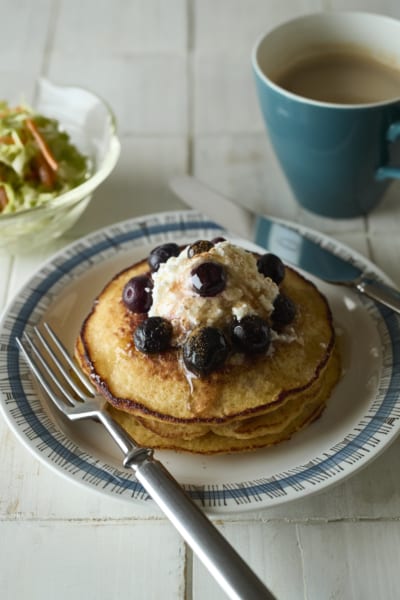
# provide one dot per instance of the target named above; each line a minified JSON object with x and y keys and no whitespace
{"x":137,"y":295}
{"x":153,"y":335}
{"x":208,"y":278}
{"x":217,"y":240}
{"x":251,"y":334}
{"x":161,"y":254}
{"x":271,"y":266}
{"x":199,"y":247}
{"x":284,"y":311}
{"x":205,"y":350}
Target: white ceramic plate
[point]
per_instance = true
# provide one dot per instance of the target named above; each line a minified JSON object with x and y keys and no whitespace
{"x":361,"y":419}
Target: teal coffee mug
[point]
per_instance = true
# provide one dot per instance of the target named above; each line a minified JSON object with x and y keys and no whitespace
{"x":329,"y":91}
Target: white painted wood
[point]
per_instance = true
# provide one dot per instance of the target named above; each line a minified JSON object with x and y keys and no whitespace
{"x":25,"y":26}
{"x":224,"y":95}
{"x":272,"y":552}
{"x":120,"y":28}
{"x":99,"y":561}
{"x":351,"y":560}
{"x":386,"y":7}
{"x":244,"y":167}
{"x":139,"y":184}
{"x":385,"y":219}
{"x":230,"y":25}
{"x":335,"y":227}
{"x":30,"y":490}
{"x":385,"y":251}
{"x":179,"y":79}
{"x":147,"y":93}
{"x":5,"y":270}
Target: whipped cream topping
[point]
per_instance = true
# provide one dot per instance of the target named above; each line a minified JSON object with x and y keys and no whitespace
{"x":247,"y":291}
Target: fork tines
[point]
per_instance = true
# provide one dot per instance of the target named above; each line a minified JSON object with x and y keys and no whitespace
{"x":53,"y":367}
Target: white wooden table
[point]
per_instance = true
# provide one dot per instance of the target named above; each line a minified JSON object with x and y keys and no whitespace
{"x":178,"y":76}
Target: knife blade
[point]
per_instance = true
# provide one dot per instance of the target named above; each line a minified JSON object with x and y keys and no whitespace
{"x":295,"y":245}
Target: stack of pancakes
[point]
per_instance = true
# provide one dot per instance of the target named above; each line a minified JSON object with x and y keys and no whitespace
{"x":251,"y":402}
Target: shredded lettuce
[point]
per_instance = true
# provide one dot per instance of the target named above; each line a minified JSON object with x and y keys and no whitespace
{"x":38,"y":162}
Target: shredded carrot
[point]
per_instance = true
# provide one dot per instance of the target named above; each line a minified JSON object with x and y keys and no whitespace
{"x":6,"y":139}
{"x":51,"y":161}
{"x":3,"y":198}
{"x":45,"y":174}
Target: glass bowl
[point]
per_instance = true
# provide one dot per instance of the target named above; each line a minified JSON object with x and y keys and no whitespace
{"x":91,"y":126}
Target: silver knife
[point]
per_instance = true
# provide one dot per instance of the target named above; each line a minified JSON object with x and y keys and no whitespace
{"x":294,"y":245}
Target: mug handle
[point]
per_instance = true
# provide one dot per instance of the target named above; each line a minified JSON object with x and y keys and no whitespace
{"x":393,"y":133}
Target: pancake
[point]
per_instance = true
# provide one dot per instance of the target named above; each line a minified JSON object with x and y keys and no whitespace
{"x":275,"y":420}
{"x":250,"y":401}
{"x":212,"y":443}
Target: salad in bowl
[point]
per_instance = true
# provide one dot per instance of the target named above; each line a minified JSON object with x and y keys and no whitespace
{"x":52,"y":158}
{"x":38,"y":162}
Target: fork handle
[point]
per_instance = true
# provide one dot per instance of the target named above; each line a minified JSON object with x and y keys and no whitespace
{"x":227,"y":567}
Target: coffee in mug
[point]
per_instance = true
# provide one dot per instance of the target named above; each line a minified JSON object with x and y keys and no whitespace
{"x":329,"y":91}
{"x":340,"y":76}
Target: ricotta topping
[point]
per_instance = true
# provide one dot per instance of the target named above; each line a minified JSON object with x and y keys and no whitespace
{"x":247,"y":291}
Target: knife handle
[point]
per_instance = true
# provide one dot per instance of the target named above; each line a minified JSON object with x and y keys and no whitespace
{"x":380,"y":292}
{"x":231,"y":572}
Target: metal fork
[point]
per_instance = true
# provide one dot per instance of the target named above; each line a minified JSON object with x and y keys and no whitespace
{"x":56,"y":372}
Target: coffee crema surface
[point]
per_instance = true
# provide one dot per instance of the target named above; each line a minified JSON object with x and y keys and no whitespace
{"x":341,"y":77}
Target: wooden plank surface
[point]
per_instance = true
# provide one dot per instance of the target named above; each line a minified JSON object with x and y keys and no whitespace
{"x":178,"y":77}
{"x":90,"y":560}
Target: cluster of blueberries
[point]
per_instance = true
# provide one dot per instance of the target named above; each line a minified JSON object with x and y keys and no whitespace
{"x":206,"y":348}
